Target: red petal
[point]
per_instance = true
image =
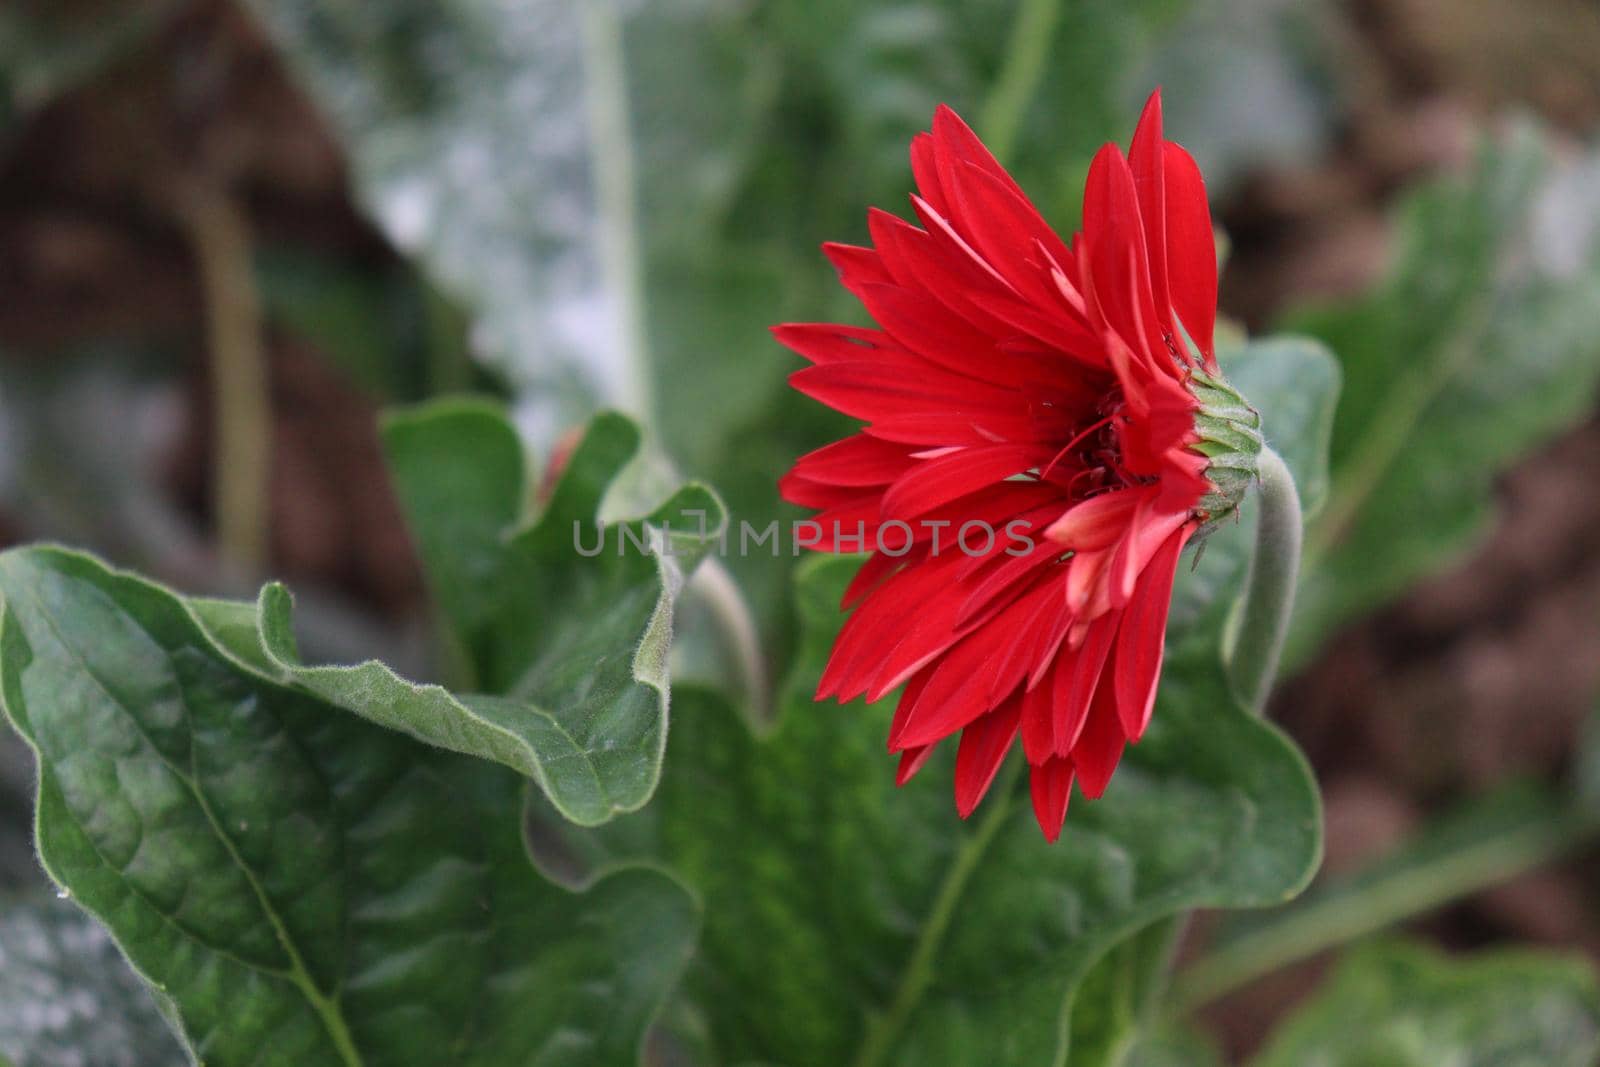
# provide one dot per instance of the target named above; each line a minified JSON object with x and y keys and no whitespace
{"x":1100,"y":745}
{"x":856,"y":460}
{"x":905,"y":623}
{"x":1000,"y":223}
{"x":957,"y":689}
{"x":943,"y":271}
{"x":829,"y":342}
{"x":800,"y":490}
{"x":933,"y":482}
{"x":961,"y":425}
{"x":911,"y":761}
{"x":857,"y":266}
{"x":1115,"y":241}
{"x":1147,"y":533}
{"x":1038,"y":719}
{"x":1029,"y":619}
{"x":955,"y":142}
{"x":1096,"y":523}
{"x":1000,"y":580}
{"x":1146,"y":158}
{"x":1051,"y":785}
{"x":1191,"y":250}
{"x":902,"y":708}
{"x":928,"y":328}
{"x":1078,"y":679}
{"x":872,"y":390}
{"x":1143,"y":637}
{"x":849,"y":526}
{"x":872,"y":572}
{"x":925,"y":169}
{"x":984,"y":745}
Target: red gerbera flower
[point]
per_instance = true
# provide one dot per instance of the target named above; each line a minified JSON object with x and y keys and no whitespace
{"x":1035,"y":457}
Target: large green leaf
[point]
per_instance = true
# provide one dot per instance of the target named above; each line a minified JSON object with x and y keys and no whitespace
{"x":1404,"y":1006}
{"x":298,"y":883}
{"x":565,"y":622}
{"x":1483,"y":341}
{"x":68,"y":998}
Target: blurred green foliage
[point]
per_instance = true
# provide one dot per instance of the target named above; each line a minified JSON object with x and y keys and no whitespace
{"x":1398,"y":1005}
{"x":1481,"y":344}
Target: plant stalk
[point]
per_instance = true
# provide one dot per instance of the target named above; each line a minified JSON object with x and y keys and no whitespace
{"x":1270,"y":586}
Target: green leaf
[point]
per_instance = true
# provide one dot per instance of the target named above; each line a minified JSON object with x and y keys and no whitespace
{"x":292,"y":877}
{"x":1483,"y":342}
{"x":1399,"y":1005}
{"x":68,"y":998}
{"x":566,"y":624}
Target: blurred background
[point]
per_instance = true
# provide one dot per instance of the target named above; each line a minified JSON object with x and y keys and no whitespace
{"x":232,"y":233}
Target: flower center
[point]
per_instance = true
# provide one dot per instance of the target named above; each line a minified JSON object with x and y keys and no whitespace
{"x":1090,"y":462}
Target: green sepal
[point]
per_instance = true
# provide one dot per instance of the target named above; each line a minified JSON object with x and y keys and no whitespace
{"x":1228,"y":434}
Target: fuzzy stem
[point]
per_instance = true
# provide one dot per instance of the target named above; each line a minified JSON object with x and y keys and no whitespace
{"x":722,"y":596}
{"x":1269,"y":589}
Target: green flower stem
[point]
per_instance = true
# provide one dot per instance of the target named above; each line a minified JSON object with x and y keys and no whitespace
{"x":914,"y":980}
{"x":1269,"y":590}
{"x":715,"y":587}
{"x":1337,"y":918}
{"x":1026,"y":54}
